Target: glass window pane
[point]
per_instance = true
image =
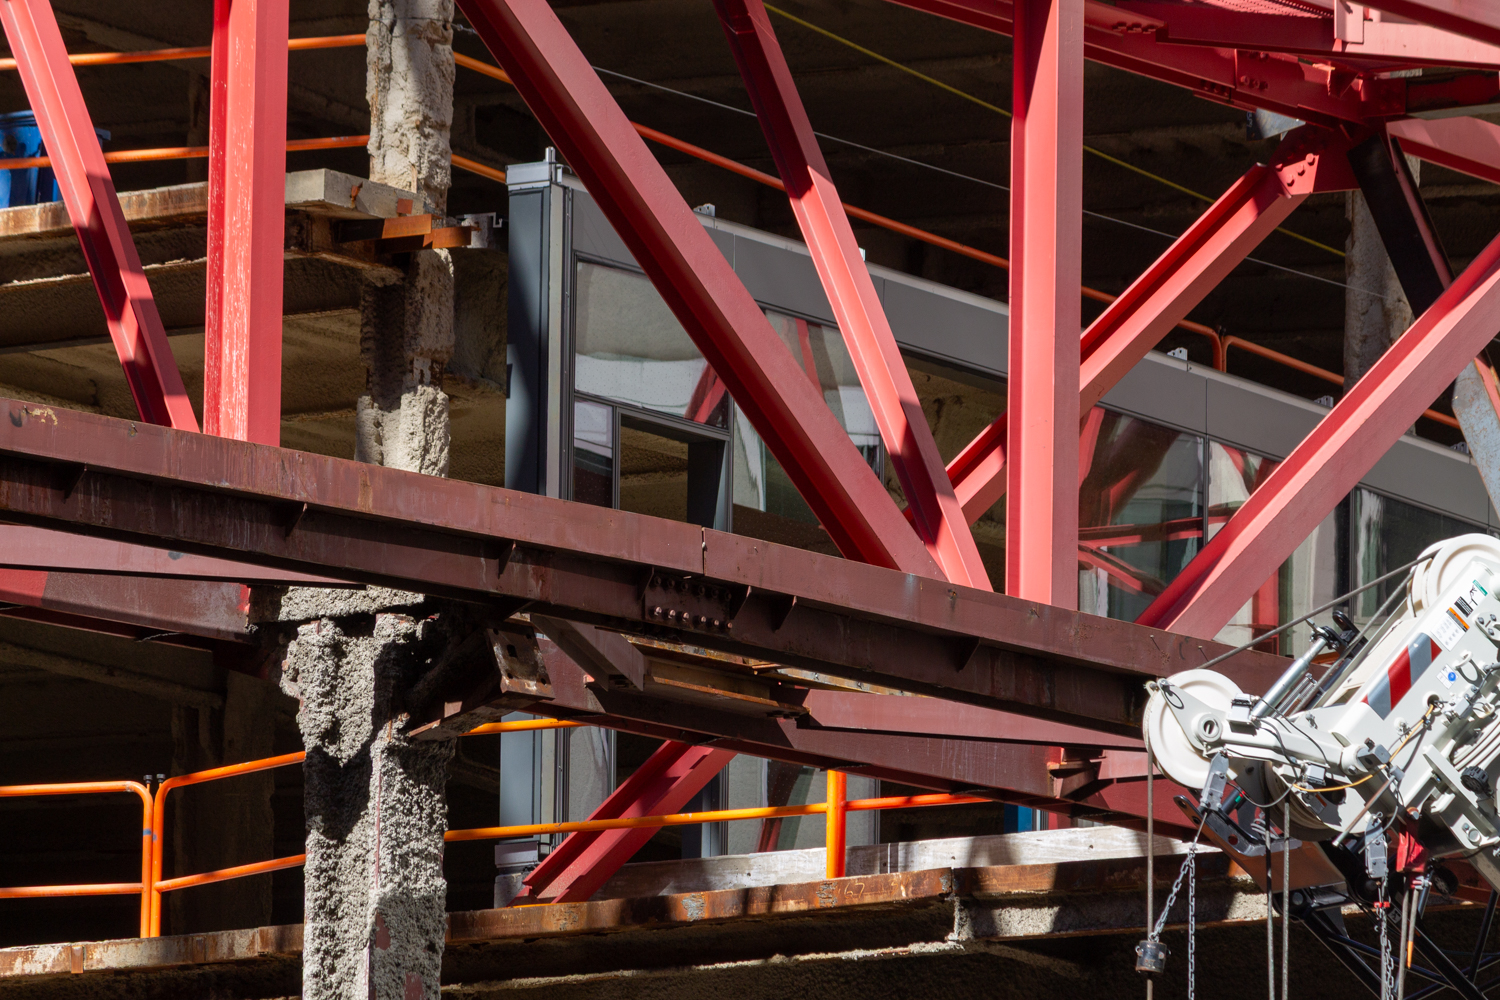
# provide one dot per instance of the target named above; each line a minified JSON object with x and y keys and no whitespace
{"x":1140,"y":511}
{"x":1312,"y":576}
{"x":629,"y":347}
{"x":1389,"y":533}
{"x":819,"y":350}
{"x":593,"y":453}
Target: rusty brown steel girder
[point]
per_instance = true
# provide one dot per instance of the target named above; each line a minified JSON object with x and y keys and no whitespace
{"x":346,"y":520}
{"x":1090,"y":782}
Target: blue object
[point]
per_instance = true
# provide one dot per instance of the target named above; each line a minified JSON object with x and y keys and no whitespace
{"x":20,"y":137}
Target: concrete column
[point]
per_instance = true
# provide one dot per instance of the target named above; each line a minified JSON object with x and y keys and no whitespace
{"x":376,"y":811}
{"x":407,"y":326}
{"x":1375,"y":308}
{"x":374,"y":910}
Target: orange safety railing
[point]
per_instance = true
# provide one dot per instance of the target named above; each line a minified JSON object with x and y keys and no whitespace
{"x":156,"y":820}
{"x":97,"y":889}
{"x":152,"y":885}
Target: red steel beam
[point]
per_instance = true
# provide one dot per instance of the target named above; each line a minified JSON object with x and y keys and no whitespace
{"x":1331,"y":460}
{"x":697,"y":283}
{"x":247,"y":220}
{"x":1377,"y":44}
{"x":664,"y":784}
{"x":1309,"y":160}
{"x":1314,"y":91}
{"x":846,"y":280}
{"x":1046,"y":240}
{"x":1478,"y":19}
{"x":130,"y":312}
{"x":1467,"y":145}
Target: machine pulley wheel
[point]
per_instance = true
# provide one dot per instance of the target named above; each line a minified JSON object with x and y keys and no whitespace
{"x":1176,"y":753}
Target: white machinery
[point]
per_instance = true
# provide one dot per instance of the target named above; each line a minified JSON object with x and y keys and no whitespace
{"x":1401,"y":735}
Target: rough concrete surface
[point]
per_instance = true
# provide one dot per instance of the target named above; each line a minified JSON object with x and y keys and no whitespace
{"x":301,"y":604}
{"x":407,"y":340}
{"x":409,"y":84}
{"x":375,"y":811}
{"x":1375,"y":308}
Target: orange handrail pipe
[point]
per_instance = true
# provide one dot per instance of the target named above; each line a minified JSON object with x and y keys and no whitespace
{"x":156,"y":824}
{"x":101,"y":889}
{"x":195,"y":52}
{"x":711,"y":816}
{"x":630,"y":822}
{"x":199,"y":152}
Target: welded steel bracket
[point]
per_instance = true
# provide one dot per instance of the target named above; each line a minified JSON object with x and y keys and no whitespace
{"x":487,"y":676}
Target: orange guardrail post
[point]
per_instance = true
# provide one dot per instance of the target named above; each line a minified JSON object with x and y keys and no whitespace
{"x":101,"y":889}
{"x":834,"y":828}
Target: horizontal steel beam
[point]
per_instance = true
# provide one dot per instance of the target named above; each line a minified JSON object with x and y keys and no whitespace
{"x":346,"y":520}
{"x":1106,"y":785}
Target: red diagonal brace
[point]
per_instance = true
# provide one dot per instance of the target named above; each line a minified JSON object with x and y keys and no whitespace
{"x":1196,"y":262}
{"x":846,"y":281}
{"x":700,"y":287}
{"x":583,"y":862}
{"x":1332,"y":459}
{"x":129,"y":308}
{"x":246,"y":221}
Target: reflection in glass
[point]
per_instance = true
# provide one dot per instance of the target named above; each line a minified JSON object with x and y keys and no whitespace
{"x":593,"y":453}
{"x":1140,"y":511}
{"x":629,"y":347}
{"x":759,"y":480}
{"x":1312,"y":576}
{"x":1389,"y":533}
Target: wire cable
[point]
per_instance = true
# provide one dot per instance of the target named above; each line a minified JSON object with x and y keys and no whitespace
{"x":993,"y":107}
{"x":996,"y":185}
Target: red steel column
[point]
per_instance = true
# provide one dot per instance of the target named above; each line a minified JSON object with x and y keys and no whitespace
{"x":846,"y":280}
{"x":247,"y":221}
{"x":1046,"y":236}
{"x":129,"y":308}
{"x":698,"y":284}
{"x":213,"y":306}
{"x":1332,"y":459}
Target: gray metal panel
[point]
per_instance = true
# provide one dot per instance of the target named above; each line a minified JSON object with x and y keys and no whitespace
{"x":778,"y":276}
{"x":948,"y":327}
{"x":592,"y":233}
{"x":724,"y":241}
{"x":1432,"y":478}
{"x":1241,"y":415}
{"x":1170,"y":393}
{"x":526,"y":342}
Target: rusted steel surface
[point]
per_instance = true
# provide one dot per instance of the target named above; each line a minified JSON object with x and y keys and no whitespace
{"x":347,"y":520}
{"x":151,"y":953}
{"x":205,"y":608}
{"x":1070,"y":887}
{"x":903,"y":888}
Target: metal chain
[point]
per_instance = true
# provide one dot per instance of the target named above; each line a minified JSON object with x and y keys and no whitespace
{"x":1387,"y":969}
{"x":1187,"y":867}
{"x":1192,"y":867}
{"x":1286,"y":895}
{"x":1150,"y":845}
